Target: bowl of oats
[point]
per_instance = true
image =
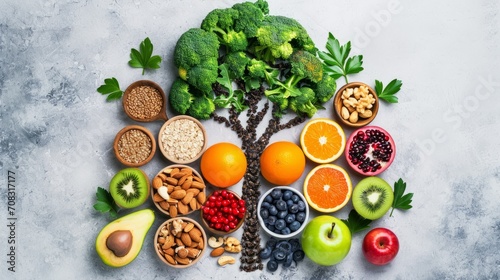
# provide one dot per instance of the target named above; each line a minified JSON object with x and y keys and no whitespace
{"x":134,"y":145}
{"x":182,"y":139}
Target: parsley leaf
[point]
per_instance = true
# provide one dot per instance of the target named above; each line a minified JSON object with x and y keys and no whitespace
{"x":388,"y":93}
{"x":235,"y":98}
{"x":401,"y":200}
{"x":143,"y":58}
{"x":356,"y":223}
{"x":112,"y":88}
{"x":337,"y":62}
{"x":105,"y":203}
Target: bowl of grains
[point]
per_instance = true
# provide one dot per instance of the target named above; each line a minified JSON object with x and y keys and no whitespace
{"x":182,"y":139}
{"x":144,"y":101}
{"x":178,"y":190}
{"x":180,"y":242}
{"x":134,"y":145}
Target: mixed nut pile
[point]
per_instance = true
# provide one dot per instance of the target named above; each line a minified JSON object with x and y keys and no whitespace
{"x":357,"y":103}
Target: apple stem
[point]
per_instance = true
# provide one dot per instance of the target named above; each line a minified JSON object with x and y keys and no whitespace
{"x":330,"y":234}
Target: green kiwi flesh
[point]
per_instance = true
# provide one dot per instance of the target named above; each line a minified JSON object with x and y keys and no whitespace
{"x":372,"y":198}
{"x":129,"y":187}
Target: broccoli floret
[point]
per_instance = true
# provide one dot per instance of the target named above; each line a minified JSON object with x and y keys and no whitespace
{"x":201,"y":108}
{"x":302,"y":104}
{"x":258,"y":69}
{"x":324,"y":89}
{"x":279,"y":36}
{"x":179,"y":97}
{"x":236,"y":63}
{"x":220,"y":22}
{"x":195,"y":55}
{"x":250,"y":17}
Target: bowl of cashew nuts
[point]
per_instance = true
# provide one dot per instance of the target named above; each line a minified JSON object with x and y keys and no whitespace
{"x":356,"y":104}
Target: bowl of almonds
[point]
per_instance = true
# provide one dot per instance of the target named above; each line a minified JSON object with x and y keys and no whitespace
{"x":356,"y":104}
{"x":178,"y":190}
{"x":180,"y":242}
{"x":134,"y":145}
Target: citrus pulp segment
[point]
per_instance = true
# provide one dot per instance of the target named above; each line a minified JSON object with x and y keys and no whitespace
{"x":322,"y":140}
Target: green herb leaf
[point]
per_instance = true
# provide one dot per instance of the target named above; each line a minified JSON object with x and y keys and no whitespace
{"x":143,"y":58}
{"x":401,"y":201}
{"x":356,"y":223}
{"x":105,"y":203}
{"x":234,"y":98}
{"x":337,"y":62}
{"x":388,"y":93}
{"x":111,"y":87}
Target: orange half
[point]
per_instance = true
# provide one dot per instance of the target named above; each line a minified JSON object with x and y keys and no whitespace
{"x":327,"y":188}
{"x":322,"y":140}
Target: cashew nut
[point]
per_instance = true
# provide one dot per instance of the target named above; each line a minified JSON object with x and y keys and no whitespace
{"x":163,"y":192}
{"x":215,"y":242}
{"x":223,"y":260}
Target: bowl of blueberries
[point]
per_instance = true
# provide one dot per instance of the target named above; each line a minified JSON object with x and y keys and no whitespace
{"x":282,"y":212}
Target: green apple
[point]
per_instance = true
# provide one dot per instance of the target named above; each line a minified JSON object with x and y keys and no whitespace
{"x":326,"y":240}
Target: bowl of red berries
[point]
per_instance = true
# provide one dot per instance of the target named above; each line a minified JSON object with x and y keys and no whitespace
{"x":223,"y":212}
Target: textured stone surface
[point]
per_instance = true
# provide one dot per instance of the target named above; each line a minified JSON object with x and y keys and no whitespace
{"x":57,"y":131}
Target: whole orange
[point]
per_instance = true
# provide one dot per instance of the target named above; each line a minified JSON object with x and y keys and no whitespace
{"x":223,"y":164}
{"x":282,"y":163}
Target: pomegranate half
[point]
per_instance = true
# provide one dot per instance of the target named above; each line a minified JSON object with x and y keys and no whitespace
{"x":370,"y":150}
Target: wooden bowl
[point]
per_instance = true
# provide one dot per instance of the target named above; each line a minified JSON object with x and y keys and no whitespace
{"x":176,"y":132}
{"x":131,"y":161}
{"x":167,"y":178}
{"x":148,"y":116}
{"x":338,"y":103}
{"x":214,"y":230}
{"x":195,"y":250}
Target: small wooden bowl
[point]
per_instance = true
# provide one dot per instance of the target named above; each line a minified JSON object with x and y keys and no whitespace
{"x":337,"y":104}
{"x":221,"y":232}
{"x":200,"y":248}
{"x":160,"y":180}
{"x":119,"y":136}
{"x":186,"y":139}
{"x":162,"y":114}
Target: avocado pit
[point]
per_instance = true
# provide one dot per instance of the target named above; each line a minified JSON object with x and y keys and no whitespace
{"x":120,"y":242}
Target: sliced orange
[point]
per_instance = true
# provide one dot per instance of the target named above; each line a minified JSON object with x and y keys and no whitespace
{"x":322,"y":140}
{"x":327,"y":188}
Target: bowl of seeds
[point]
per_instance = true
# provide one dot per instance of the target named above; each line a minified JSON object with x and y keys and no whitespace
{"x":178,"y":190}
{"x":144,"y":101}
{"x":180,"y":242}
{"x":182,"y":139}
{"x":356,"y":104}
{"x":134,"y":145}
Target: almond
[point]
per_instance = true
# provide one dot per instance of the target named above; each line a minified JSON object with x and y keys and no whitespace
{"x":217,"y":252}
{"x":163,"y":177}
{"x":194,"y":191}
{"x":187,"y":183}
{"x":198,"y":185}
{"x":182,"y":253}
{"x":170,"y":251}
{"x":187,"y":170}
{"x":184,"y":261}
{"x":195,"y":235}
{"x":178,"y":175}
{"x":157,"y":182}
{"x":193,"y":204}
{"x":171,"y":181}
{"x":193,"y":252}
{"x":183,"y":179}
{"x":186,"y":239}
{"x":182,"y":208}
{"x":164,"y":205}
{"x":178,"y":194}
{"x":201,"y":197}
{"x":187,"y":198}
{"x":169,"y":242}
{"x":172,"y":210}
{"x":188,"y":227}
{"x":170,"y":259}
{"x":157,"y":197}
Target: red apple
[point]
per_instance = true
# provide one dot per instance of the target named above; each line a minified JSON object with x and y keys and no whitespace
{"x":380,"y":246}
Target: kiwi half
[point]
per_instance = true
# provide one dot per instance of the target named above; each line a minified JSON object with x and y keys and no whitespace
{"x":372,"y":198}
{"x":129,"y":187}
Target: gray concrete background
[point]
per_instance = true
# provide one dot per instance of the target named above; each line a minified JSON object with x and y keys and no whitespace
{"x":57,"y":131}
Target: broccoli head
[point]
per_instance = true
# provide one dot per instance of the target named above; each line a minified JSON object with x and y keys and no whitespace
{"x":195,"y":55}
{"x":201,"y":108}
{"x":258,"y":69}
{"x":324,"y":89}
{"x":250,"y":17}
{"x":220,"y":22}
{"x":279,"y":36}
{"x":236,"y":63}
{"x":302,"y":104}
{"x":179,"y":97}
{"x":306,"y":65}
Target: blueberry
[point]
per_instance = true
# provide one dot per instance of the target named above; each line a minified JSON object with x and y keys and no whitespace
{"x":288,"y":260}
{"x":300,"y":217}
{"x":271,"y":228}
{"x":279,"y":255}
{"x":268,"y":198}
{"x":302,"y":205}
{"x":284,"y":245}
{"x":281,"y":205}
{"x":289,"y":202}
{"x":271,"y":242}
{"x":276,"y":194}
{"x":294,"y":226}
{"x":287,"y":195}
{"x":282,"y":214}
{"x":266,"y":253}
{"x":295,"y":243}
{"x":264,"y":214}
{"x":272,"y":266}
{"x":272,"y":210}
{"x":298,"y":255}
{"x":271,"y":220}
{"x":294,"y":208}
{"x":286,"y":231}
{"x":295,"y":198}
{"x":289,"y":218}
{"x":280,"y":224}
{"x":265,"y":205}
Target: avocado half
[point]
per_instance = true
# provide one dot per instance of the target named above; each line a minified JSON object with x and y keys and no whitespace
{"x":136,"y":225}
